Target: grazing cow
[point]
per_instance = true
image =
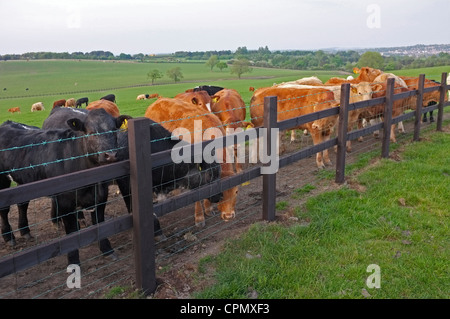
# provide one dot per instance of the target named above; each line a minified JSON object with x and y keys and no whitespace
{"x":109,"y":97}
{"x":70,"y":102}
{"x":152,"y":96}
{"x":173,"y":114}
{"x":81,"y":101}
{"x":14,"y":109}
{"x":59,"y":103}
{"x":109,"y":107}
{"x":82,"y":150}
{"x":141,"y":97}
{"x":208,"y":88}
{"x":294,"y":102}
{"x":199,"y":98}
{"x":251,"y":89}
{"x":39,"y":106}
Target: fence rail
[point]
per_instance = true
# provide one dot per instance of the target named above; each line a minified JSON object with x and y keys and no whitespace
{"x":141,"y":163}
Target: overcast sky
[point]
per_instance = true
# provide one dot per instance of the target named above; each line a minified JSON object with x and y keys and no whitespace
{"x":166,"y":26}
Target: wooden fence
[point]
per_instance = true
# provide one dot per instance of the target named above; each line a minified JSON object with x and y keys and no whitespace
{"x":139,"y":168}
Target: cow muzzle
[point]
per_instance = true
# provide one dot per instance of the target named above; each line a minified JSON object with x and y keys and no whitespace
{"x":108,"y":157}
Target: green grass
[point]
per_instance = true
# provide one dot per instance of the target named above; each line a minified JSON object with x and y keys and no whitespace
{"x":48,"y":81}
{"x":400,"y":222}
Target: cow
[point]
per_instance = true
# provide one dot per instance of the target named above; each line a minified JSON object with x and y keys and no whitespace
{"x":208,"y":88}
{"x":199,"y":98}
{"x":294,"y":102}
{"x":366,"y":74}
{"x":14,"y":109}
{"x":109,"y":97}
{"x":109,"y":107}
{"x":38,"y":106}
{"x":358,"y":92}
{"x":429,"y":98}
{"x":81,"y":101}
{"x":251,"y":89}
{"x":141,"y":97}
{"x":84,"y":144}
{"x":59,"y":103}
{"x":152,"y":96}
{"x":70,"y":102}
{"x":173,"y":114}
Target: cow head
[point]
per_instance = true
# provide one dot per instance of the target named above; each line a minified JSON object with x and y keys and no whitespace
{"x":100,"y":130}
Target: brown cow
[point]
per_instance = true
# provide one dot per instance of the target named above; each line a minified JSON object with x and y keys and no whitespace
{"x":251,"y":89}
{"x":366,"y":74}
{"x":70,"y":102}
{"x":59,"y":103}
{"x":109,"y":107}
{"x":199,"y":98}
{"x":230,"y":108}
{"x":14,"y":109}
{"x":173,"y":114}
{"x":293,"y":102}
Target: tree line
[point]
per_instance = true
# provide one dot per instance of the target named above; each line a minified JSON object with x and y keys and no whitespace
{"x":262,"y":57}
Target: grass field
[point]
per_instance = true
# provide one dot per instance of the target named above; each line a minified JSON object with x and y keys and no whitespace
{"x":48,"y":81}
{"x":396,"y":218}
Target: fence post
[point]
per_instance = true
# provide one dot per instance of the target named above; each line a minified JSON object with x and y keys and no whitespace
{"x":269,"y":180}
{"x":387,"y":117}
{"x":342,"y":133}
{"x":142,"y":203}
{"x":443,"y":92}
{"x":419,"y":102}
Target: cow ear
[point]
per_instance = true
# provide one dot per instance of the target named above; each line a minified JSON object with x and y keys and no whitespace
{"x":354,"y":90}
{"x":194,"y":101}
{"x":122,"y":122}
{"x":76,"y":124}
{"x":214,"y":99}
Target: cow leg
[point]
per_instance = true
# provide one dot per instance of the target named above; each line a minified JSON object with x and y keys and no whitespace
{"x":199,"y":215}
{"x":7,"y":233}
{"x":98,"y":216}
{"x":317,"y":138}
{"x":393,"y":139}
{"x":326,"y":158}
{"x":23,"y":220}
{"x":431,"y":117}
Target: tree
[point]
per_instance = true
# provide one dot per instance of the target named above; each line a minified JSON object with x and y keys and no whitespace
{"x":212,"y":61}
{"x":240,"y":67}
{"x":154,"y":74}
{"x":175,"y":74}
{"x":371,"y":59}
{"x":222,"y":65}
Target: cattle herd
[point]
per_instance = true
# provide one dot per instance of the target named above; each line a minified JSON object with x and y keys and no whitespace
{"x":97,"y":135}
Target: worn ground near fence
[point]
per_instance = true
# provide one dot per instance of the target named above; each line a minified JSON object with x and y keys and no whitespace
{"x":179,"y":274}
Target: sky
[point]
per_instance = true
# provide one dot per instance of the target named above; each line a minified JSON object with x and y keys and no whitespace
{"x":167,"y":26}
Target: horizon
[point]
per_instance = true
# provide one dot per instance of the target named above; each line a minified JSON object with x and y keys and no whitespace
{"x":250,"y":49}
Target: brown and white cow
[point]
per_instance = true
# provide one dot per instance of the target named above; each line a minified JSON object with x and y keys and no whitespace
{"x":109,"y":107}
{"x":366,"y":74}
{"x":38,"y":106}
{"x":294,"y":102}
{"x":173,"y":114}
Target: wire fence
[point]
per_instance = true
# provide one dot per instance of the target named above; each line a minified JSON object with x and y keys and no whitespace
{"x":99,"y":272}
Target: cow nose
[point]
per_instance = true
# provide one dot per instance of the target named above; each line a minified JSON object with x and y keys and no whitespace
{"x":110,"y":156}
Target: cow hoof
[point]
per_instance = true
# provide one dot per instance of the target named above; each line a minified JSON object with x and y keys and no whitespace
{"x":200,"y":224}
{"x":112,"y":257}
{"x":28,"y":237}
{"x":211,"y":213}
{"x":11,"y":243}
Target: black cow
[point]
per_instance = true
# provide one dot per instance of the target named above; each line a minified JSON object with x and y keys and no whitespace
{"x":38,"y":154}
{"x":109,"y":97}
{"x":208,"y":88}
{"x":80,"y":102}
